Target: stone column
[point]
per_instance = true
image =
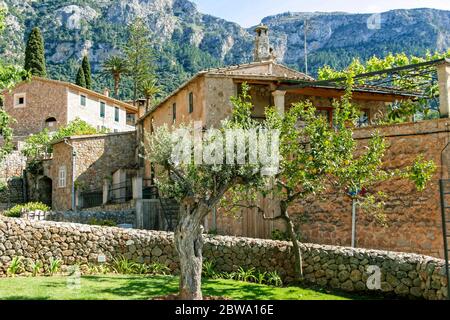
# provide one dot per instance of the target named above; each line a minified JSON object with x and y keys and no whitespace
{"x":444,"y":89}
{"x":137,"y":187}
{"x":105,"y":191}
{"x":139,"y":207}
{"x":278,"y":98}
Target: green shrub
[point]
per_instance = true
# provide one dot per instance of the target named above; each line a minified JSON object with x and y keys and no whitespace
{"x":15,"y":267}
{"x":101,"y":222}
{"x":274,"y":279}
{"x":159,"y":269}
{"x":123,"y":265}
{"x":279,"y":235}
{"x":15,"y":211}
{"x":208,"y":270}
{"x":36,"y":266}
{"x":55,"y":265}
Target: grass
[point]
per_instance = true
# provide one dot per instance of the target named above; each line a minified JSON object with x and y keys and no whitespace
{"x":126,"y":287}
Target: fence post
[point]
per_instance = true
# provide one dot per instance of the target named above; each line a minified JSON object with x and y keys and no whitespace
{"x":137,"y":187}
{"x":105,"y":191}
{"x":139,"y":214}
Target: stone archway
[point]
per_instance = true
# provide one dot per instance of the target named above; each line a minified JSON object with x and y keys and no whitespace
{"x":44,"y":191}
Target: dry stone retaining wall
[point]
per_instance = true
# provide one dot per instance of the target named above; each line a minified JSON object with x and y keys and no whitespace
{"x":402,"y":274}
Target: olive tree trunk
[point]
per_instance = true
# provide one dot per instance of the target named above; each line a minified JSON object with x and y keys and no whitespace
{"x":189,"y":245}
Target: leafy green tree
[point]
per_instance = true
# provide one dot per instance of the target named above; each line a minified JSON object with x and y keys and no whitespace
{"x":9,"y":76}
{"x":316,"y":157}
{"x":138,"y":52}
{"x":35,"y":54}
{"x":40,"y":144}
{"x":86,"y":66}
{"x":198,"y":188}
{"x":80,"y":80}
{"x":116,"y":66}
{"x":409,"y":81}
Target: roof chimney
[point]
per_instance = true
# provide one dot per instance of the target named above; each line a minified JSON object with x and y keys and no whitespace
{"x":262,"y":50}
{"x":106,"y":92}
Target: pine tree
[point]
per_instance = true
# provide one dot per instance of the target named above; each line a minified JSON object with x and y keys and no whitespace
{"x":35,"y":54}
{"x":138,"y":52}
{"x":81,"y":78}
{"x":86,"y":66}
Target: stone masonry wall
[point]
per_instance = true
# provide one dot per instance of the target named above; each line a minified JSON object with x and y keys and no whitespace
{"x":406,"y":275}
{"x":84,"y":217}
{"x":413,"y":218}
{"x":414,"y":221}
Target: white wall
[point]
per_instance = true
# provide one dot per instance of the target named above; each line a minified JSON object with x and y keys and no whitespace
{"x":91,"y":113}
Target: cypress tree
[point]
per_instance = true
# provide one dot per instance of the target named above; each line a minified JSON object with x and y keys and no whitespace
{"x":81,"y":78}
{"x":86,"y":65}
{"x":35,"y":54}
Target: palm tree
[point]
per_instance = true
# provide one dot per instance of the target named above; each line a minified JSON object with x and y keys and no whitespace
{"x":115,"y":66}
{"x":149,"y":89}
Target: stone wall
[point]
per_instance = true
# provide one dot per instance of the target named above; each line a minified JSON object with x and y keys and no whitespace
{"x":406,"y":275}
{"x":126,"y":216}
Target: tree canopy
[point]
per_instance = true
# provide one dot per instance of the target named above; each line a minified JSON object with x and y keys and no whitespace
{"x":86,"y":66}
{"x":35,"y":54}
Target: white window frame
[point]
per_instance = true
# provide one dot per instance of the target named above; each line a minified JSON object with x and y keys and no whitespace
{"x":17,"y":96}
{"x":100,"y":111}
{"x":85,"y":100}
{"x":62,"y":177}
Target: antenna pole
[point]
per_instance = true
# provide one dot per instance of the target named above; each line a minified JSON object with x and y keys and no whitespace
{"x":306,"y":26}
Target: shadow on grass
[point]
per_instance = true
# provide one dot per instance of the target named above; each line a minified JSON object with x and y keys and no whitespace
{"x":141,"y":287}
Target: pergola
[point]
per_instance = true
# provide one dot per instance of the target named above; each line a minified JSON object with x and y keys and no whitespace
{"x":428,"y":81}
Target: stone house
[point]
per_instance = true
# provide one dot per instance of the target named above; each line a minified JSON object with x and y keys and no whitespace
{"x":414,"y":216}
{"x":44,"y":103}
{"x":206,"y":96}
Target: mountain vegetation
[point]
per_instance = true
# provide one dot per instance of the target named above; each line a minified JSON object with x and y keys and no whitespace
{"x":185,"y":41}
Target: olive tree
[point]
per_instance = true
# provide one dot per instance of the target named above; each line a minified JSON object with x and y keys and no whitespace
{"x":198,"y":177}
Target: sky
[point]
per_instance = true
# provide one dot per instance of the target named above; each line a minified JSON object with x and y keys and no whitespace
{"x":250,"y":12}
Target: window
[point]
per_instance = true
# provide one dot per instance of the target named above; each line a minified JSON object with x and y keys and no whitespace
{"x":62,"y":177}
{"x":50,"y":122}
{"x":131,"y":119}
{"x":102,"y":109}
{"x":116,"y":114}
{"x":83,"y":101}
{"x":191,"y":102}
{"x":174,"y":112}
{"x":327,"y":113}
{"x":19,"y":100}
{"x":364,"y":118}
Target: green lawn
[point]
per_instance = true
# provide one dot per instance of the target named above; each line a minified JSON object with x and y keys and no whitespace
{"x":126,"y":287}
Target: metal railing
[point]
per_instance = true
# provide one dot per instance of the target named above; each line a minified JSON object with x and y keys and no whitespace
{"x":120,"y":192}
{"x":91,"y":199}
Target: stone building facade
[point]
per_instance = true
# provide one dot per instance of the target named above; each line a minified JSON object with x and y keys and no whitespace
{"x":44,"y":103}
{"x":96,"y":158}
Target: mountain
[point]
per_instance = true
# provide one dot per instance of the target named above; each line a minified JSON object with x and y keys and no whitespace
{"x":186,"y":41}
